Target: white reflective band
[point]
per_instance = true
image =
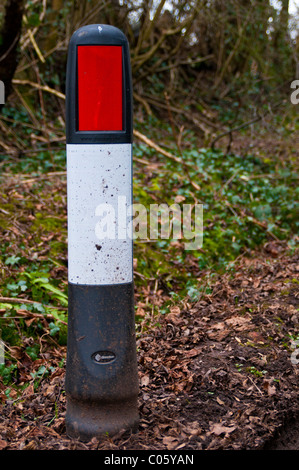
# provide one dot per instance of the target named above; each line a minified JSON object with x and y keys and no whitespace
{"x":99,"y":192}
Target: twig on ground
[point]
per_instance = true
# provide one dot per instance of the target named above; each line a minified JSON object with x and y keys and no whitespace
{"x":27,"y":313}
{"x":16,"y":81}
{"x":13,"y":300}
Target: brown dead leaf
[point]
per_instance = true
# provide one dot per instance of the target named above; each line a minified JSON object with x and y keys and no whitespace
{"x":192,"y":352}
{"x":29,"y":391}
{"x":49,"y":390}
{"x":270,"y":388}
{"x":144,"y":380}
{"x":238,"y":323}
{"x":220,"y":401}
{"x":174,"y":315}
{"x":219,"y":429}
{"x":193,"y":429}
{"x":218,"y":335}
{"x":31,"y":445}
{"x":170,"y":442}
{"x":256,"y":337}
{"x":175,"y":310}
{"x":3,"y":444}
{"x":256,"y":283}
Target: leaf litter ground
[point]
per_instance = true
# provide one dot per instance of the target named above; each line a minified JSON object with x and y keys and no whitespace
{"x":218,"y":373}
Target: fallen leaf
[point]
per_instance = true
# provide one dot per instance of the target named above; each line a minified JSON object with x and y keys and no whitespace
{"x":270,"y":389}
{"x":219,"y":429}
{"x":219,"y":401}
{"x":192,"y":352}
{"x":256,"y":337}
{"x":170,"y":442}
{"x":144,"y":381}
{"x":3,"y":444}
{"x":218,"y":335}
{"x":239,"y":323}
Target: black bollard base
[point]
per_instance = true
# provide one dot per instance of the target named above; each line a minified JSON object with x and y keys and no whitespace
{"x":101,"y":381}
{"x":87,"y":420}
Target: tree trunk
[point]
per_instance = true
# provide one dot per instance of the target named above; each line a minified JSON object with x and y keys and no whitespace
{"x":284,"y":16}
{"x":9,"y":39}
{"x":280,"y":34}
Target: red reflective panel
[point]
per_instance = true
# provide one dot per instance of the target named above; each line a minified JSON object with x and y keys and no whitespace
{"x":100,"y":88}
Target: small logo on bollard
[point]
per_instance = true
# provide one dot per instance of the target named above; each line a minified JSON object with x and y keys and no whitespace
{"x":2,"y":92}
{"x":295,"y":94}
{"x":103,"y":357}
{"x":295,"y":353}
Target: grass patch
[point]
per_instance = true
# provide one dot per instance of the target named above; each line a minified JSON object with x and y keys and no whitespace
{"x":247,"y":201}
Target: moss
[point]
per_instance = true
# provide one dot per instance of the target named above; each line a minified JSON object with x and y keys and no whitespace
{"x":46,"y":223}
{"x":4,"y":222}
{"x":57,"y":248}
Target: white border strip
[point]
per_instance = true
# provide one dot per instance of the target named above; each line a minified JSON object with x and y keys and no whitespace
{"x":97,"y":174}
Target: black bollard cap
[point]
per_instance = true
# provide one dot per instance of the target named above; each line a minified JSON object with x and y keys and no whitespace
{"x":98,"y":87}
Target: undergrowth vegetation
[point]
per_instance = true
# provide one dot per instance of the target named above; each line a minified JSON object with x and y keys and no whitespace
{"x":248,"y":200}
{"x":189,"y":95}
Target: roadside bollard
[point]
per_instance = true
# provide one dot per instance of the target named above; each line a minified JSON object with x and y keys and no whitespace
{"x":101,"y":368}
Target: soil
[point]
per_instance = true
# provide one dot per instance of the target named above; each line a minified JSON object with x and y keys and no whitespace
{"x":217,"y":374}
